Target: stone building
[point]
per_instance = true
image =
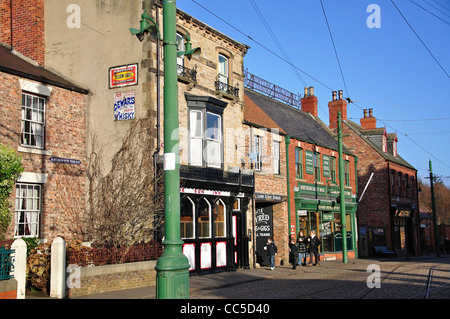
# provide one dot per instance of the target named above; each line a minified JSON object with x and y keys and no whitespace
{"x":388,"y":213}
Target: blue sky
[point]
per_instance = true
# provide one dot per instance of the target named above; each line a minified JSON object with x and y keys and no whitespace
{"x":387,"y":68}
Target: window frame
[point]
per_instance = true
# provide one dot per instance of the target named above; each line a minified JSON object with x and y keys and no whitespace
{"x":298,"y":162}
{"x":32,"y":122}
{"x":257,"y":147}
{"x":276,"y":157}
{"x":23,"y":213}
{"x":316,"y":164}
{"x":226,"y":75}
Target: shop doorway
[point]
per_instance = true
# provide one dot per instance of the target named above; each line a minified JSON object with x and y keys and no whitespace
{"x":263,"y":230}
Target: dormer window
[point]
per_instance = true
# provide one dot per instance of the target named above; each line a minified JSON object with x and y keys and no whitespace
{"x":384,"y":142}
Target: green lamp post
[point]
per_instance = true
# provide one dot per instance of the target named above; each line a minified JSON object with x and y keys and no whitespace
{"x":342,"y":191}
{"x":172,"y":279}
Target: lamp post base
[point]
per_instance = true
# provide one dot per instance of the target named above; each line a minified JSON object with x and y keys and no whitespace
{"x":172,"y":274}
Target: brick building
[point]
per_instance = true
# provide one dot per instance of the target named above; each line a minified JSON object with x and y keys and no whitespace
{"x":44,"y":120}
{"x":312,"y":183}
{"x":388,"y":213}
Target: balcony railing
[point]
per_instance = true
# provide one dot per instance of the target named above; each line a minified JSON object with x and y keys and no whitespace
{"x":226,"y":179}
{"x":225,"y":88}
{"x":189,"y":74}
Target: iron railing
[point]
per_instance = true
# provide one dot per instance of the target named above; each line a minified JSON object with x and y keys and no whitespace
{"x":190,"y":74}
{"x":228,"y":89}
{"x":115,"y":255}
{"x":6,"y":263}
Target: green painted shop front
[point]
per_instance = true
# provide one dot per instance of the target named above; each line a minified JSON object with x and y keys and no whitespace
{"x":317,"y":208}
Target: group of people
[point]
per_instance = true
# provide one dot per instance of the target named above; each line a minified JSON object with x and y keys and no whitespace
{"x":297,"y":250}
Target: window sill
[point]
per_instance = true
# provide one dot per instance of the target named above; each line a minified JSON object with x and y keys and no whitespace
{"x":34,"y":151}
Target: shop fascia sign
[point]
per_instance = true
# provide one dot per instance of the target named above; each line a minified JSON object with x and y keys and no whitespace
{"x":313,"y":189}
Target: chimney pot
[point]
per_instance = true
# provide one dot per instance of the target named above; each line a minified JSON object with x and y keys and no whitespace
{"x":370,"y":112}
{"x":340,"y":94}
{"x":334,"y":95}
{"x":365,"y":113}
{"x":306,"y":92}
{"x":311,"y":91}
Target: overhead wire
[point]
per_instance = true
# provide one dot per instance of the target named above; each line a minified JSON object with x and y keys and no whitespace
{"x":426,"y":10}
{"x":335,"y":51}
{"x":420,"y":39}
{"x":350,"y":101}
{"x":263,"y":46}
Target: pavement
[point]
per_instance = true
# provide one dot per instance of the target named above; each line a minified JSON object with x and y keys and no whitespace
{"x":240,"y":276}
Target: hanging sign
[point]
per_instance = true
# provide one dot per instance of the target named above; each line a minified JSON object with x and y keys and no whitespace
{"x":125,"y":75}
{"x":124,"y":106}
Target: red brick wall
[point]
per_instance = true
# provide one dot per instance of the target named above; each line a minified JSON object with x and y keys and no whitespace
{"x":64,"y":192}
{"x":27,"y":27}
{"x":8,"y":295}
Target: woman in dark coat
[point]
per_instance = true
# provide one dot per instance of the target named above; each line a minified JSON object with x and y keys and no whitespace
{"x":293,"y":253}
{"x":302,"y":248}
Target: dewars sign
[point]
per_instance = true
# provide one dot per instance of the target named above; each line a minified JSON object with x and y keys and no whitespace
{"x":124,"y":106}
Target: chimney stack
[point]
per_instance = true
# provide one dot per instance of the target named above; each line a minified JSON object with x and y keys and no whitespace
{"x":336,"y":105}
{"x":309,"y":101}
{"x":368,"y":122}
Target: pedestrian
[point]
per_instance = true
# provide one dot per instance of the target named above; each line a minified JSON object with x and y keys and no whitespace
{"x":271,"y":251}
{"x":302,"y":242}
{"x":293,"y":253}
{"x":314,"y":244}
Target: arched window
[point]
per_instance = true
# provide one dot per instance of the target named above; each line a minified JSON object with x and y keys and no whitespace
{"x":187,"y":218}
{"x":204,"y":219}
{"x":220,"y":219}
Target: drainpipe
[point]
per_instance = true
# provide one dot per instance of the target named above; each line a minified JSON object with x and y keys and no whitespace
{"x":287,"y":141}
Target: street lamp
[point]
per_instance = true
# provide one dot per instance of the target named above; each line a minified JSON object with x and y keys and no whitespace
{"x":172,"y":279}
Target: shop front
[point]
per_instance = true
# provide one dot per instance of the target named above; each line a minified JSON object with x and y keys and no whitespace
{"x":318,"y":209}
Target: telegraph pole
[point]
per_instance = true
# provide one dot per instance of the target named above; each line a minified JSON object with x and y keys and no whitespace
{"x":342,"y":191}
{"x":433,"y":203}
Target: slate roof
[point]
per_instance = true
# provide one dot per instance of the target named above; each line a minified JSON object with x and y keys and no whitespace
{"x":296,"y":123}
{"x":367,"y":136}
{"x":13,"y":64}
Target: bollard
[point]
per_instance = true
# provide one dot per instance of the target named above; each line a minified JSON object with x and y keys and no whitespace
{"x":58,"y":269}
{"x":20,"y":266}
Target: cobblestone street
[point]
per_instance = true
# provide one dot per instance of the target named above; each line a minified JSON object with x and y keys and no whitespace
{"x":398,"y":280}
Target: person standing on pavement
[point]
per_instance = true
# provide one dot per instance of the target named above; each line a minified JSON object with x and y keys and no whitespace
{"x":293,"y":253}
{"x":302,"y":242}
{"x":272,"y":250}
{"x":314,"y":244}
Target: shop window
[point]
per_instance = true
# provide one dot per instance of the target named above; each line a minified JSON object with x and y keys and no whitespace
{"x":204,"y":219}
{"x":187,"y":218}
{"x":219,"y":219}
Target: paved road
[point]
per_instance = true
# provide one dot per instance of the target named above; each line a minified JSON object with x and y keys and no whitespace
{"x":396,"y":279}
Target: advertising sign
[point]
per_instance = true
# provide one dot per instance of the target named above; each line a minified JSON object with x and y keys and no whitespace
{"x":123,"y":76}
{"x":124,"y":106}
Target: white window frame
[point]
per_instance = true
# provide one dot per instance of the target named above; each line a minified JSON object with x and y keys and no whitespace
{"x":220,"y":202}
{"x":181,"y":47}
{"x":276,"y":157}
{"x":33,"y":121}
{"x":27,"y":211}
{"x":209,"y":220}
{"x":224,"y":69}
{"x":196,"y":138}
{"x":193,"y":219}
{"x":214,"y":139}
{"x":257,"y":148}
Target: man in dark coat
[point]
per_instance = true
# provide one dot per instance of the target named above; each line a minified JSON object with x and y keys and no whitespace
{"x":272,"y":250}
{"x":314,"y":244}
